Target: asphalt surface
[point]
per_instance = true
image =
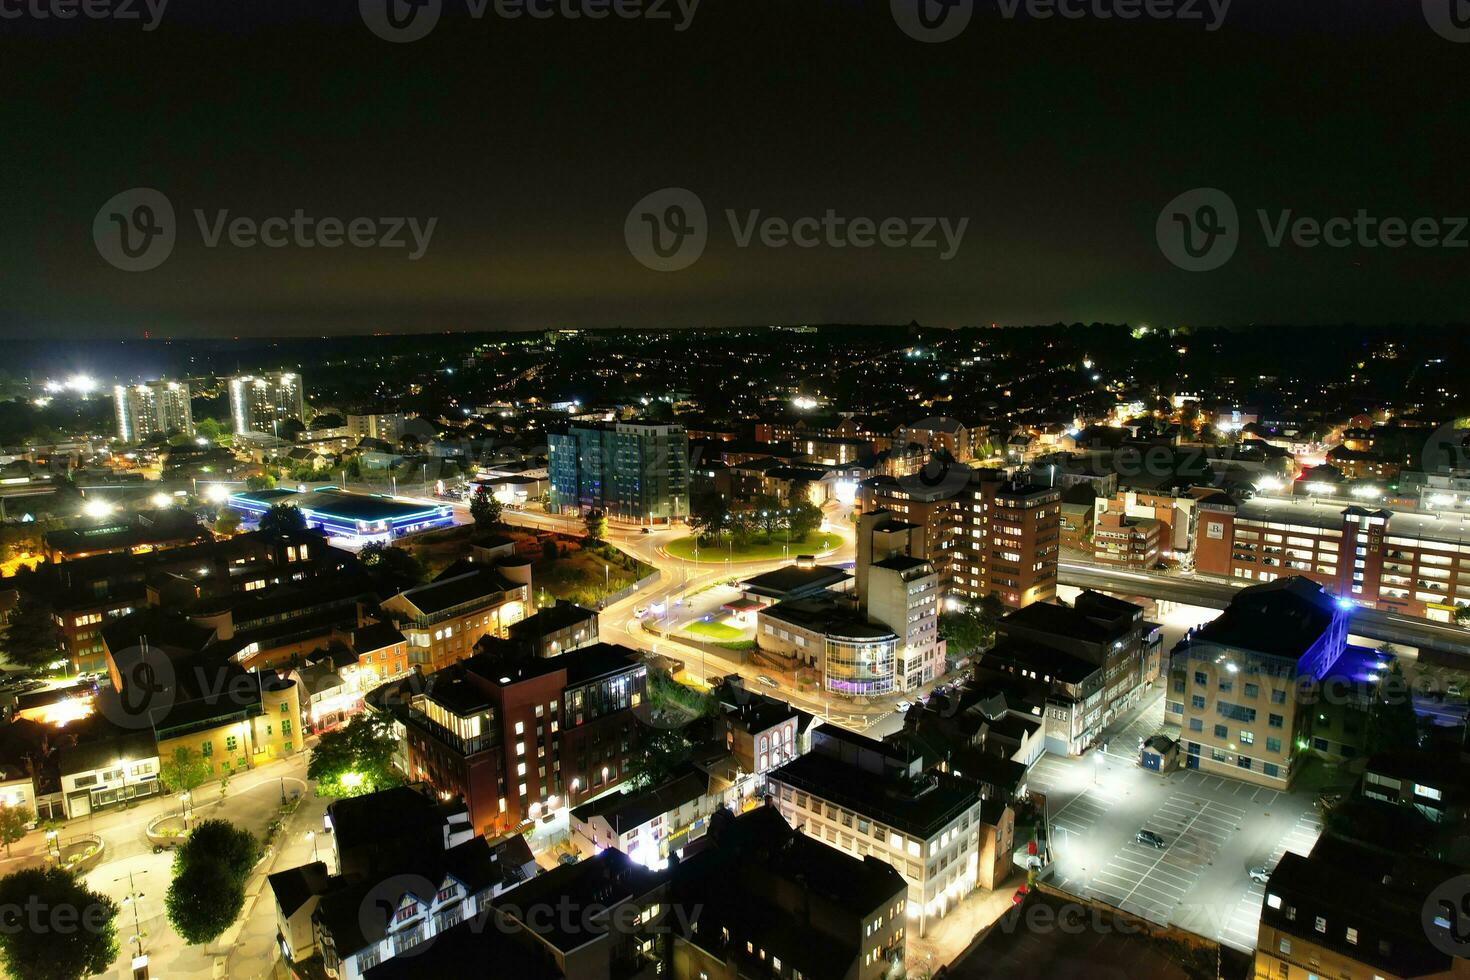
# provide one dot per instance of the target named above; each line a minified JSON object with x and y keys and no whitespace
{"x":1214,"y":831}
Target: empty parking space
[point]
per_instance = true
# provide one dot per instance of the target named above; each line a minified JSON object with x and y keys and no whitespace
{"x":1152,"y":882}
{"x":1244,"y":922}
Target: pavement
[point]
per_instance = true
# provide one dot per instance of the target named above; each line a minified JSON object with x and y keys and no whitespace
{"x":1214,"y":830}
{"x":130,"y":866}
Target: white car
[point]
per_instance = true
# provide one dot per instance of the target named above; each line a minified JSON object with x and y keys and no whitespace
{"x":903,"y":706}
{"x":640,"y":612}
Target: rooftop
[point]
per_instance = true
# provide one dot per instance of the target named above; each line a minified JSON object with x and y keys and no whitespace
{"x":920,"y":807}
{"x":341,"y":504}
{"x":794,"y":581}
{"x":1284,"y":618}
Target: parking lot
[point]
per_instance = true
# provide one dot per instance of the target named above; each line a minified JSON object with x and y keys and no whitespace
{"x":1214,"y":831}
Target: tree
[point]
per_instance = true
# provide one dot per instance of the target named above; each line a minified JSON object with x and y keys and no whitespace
{"x":208,"y":429}
{"x":1392,"y":723}
{"x":261,"y":481}
{"x":484,"y":508}
{"x":70,"y":935}
{"x":596,"y":522}
{"x":1462,"y":616}
{"x":548,"y":549}
{"x":282,"y":519}
{"x":33,"y":639}
{"x":13,"y":820}
{"x":709,"y":515}
{"x":355,"y":760}
{"x":184,"y":771}
{"x":962,"y":631}
{"x":805,"y":518}
{"x":392,"y":569}
{"x":660,"y":752}
{"x":227,"y":521}
{"x":203,"y":900}
{"x":219,"y":840}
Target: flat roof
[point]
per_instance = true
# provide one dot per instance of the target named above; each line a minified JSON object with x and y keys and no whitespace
{"x":920,"y":807}
{"x":823,"y":616}
{"x":782,"y":582}
{"x":1328,"y":515}
{"x":341,"y":504}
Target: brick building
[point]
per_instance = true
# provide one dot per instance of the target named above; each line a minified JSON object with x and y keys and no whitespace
{"x":518,"y":740}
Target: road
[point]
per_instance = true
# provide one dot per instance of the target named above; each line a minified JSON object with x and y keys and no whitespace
{"x":1216,"y":593}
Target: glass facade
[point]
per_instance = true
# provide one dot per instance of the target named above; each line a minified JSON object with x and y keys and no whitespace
{"x":861,"y":666}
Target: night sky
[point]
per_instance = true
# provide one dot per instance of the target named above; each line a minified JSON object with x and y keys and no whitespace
{"x":529,"y":141}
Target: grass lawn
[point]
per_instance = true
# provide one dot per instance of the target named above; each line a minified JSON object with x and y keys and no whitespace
{"x":756,"y":550}
{"x":715,"y":630}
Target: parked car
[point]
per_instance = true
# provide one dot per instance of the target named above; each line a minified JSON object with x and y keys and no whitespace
{"x":640,"y":612}
{"x":567,"y":859}
{"x":645,"y":530}
{"x":1150,"y":838}
{"x":1259,"y":875}
{"x":768,"y":682}
{"x":902,"y":706}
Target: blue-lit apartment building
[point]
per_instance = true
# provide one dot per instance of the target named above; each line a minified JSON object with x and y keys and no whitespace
{"x":1241,"y":688}
{"x":356,"y":518}
{"x":634,"y":471}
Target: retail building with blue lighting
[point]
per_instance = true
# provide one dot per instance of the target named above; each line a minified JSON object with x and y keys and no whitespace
{"x":354,"y":517}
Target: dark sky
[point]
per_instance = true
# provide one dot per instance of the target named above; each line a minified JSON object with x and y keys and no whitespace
{"x":530,"y":140}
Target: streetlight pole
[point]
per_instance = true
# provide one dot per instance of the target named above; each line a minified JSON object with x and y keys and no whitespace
{"x":133,"y":896}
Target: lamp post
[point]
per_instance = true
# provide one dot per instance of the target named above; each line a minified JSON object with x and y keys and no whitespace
{"x":132,"y":899}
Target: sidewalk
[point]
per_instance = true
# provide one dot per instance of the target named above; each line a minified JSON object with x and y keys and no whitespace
{"x":248,"y":948}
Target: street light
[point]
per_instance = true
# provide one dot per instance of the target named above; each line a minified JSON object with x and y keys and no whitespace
{"x":132,"y":899}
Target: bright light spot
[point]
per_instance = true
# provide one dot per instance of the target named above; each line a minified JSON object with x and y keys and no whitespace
{"x":351,"y":779}
{"x":161,"y":500}
{"x":1367,"y":493}
{"x":55,"y":386}
{"x":216,"y":494}
{"x":1441,"y":500}
{"x":201,"y":441}
{"x":1343,"y":602}
{"x":803,"y":402}
{"x":96,"y":508}
{"x":1319,"y":487}
{"x":1267,"y":484}
{"x":82,"y":384}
